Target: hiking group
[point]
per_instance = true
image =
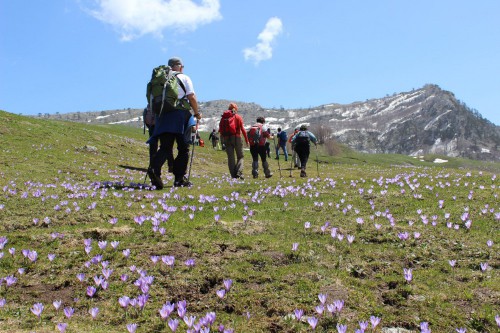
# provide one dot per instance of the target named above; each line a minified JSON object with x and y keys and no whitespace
{"x":169,"y":119}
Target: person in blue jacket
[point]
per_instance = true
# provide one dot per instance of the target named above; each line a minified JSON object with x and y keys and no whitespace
{"x":302,"y":142}
{"x":175,"y":126}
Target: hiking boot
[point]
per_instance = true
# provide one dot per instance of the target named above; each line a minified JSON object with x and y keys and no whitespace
{"x":255,"y":176}
{"x":269,"y":175}
{"x":183,"y":183}
{"x":303,"y":173}
{"x":155,"y":179}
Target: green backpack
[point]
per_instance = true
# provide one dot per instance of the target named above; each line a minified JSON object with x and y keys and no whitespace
{"x":163,"y":90}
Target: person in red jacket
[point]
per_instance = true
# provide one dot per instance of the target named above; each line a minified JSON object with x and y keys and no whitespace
{"x":231,"y":127}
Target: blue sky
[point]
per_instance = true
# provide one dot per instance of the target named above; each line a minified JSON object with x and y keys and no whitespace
{"x":91,"y":55}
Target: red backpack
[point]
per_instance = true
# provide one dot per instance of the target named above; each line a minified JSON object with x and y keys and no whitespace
{"x":227,"y":124}
{"x":254,"y":134}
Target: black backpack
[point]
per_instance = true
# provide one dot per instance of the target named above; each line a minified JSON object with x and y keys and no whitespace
{"x":302,"y":138}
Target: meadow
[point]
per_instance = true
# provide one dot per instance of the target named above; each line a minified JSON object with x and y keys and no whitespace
{"x":365,"y":243}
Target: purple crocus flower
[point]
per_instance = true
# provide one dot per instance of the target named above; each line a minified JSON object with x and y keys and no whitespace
{"x":132,"y":328}
{"x":322,"y":298}
{"x":168,"y":260}
{"x":313,"y":321}
{"x":124,"y":301}
{"x":374,"y":321}
{"x":484,"y":266}
{"x":181,"y":309}
{"x":295,"y":246}
{"x":57,"y":304}
{"x":320,"y":309}
{"x":408,"y":274}
{"x":210,"y":317}
{"x":91,"y":290}
{"x":93,"y":312}
{"x":62,"y":327}
{"x":363,"y":325}
{"x":424,"y":327}
{"x":189,"y":262}
{"x":173,"y":323}
{"x":298,"y":314}
{"x":32,"y":255}
{"x":189,"y":320}
{"x":166,"y":310}
{"x":461,"y":330}
{"x":68,"y":312}
{"x":51,"y":256}
{"x":227,"y":284}
{"x":37,"y":309}
{"x":2,"y":302}
{"x":221,"y":293}
{"x":341,"y":328}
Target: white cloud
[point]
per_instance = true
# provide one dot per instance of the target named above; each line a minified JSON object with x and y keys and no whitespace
{"x":263,"y":50}
{"x":135,"y":18}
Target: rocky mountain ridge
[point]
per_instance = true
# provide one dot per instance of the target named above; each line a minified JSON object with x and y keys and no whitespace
{"x":428,"y":120}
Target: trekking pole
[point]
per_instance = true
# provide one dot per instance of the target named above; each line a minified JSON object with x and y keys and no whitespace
{"x":192,"y":152}
{"x":317,"y":160}
{"x":279,"y":167}
{"x":146,"y":176}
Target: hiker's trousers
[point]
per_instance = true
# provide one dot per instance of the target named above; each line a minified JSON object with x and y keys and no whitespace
{"x":166,"y":152}
{"x":303,"y":150}
{"x":282,"y":146}
{"x":256,"y":151}
{"x":234,"y":151}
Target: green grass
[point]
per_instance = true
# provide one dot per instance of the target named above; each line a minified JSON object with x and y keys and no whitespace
{"x":53,"y":173}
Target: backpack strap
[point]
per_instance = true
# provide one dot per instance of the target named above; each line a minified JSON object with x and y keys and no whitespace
{"x":180,"y":83}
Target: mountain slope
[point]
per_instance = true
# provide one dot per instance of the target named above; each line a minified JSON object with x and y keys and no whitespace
{"x":423,"y":121}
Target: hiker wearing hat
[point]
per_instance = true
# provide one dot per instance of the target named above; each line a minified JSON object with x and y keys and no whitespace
{"x":257,"y":136}
{"x":231,"y":127}
{"x":301,"y":142}
{"x":175,"y":126}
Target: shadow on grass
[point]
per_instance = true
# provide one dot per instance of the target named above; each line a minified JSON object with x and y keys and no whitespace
{"x":128,"y":167}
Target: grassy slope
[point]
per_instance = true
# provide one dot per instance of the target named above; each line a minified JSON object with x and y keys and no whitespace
{"x":242,"y":231}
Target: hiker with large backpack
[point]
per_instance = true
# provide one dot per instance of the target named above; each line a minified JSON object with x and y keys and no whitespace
{"x":302,"y":142}
{"x":257,"y":137}
{"x":231,"y":127}
{"x":282,"y":140}
{"x":171,"y":95}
